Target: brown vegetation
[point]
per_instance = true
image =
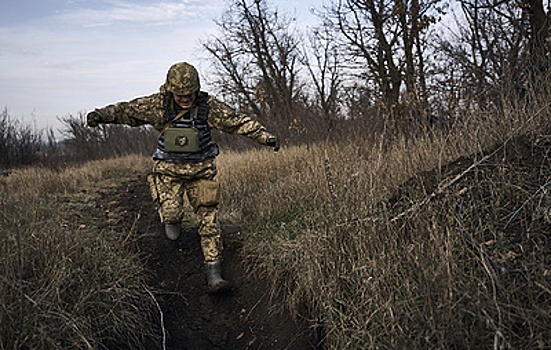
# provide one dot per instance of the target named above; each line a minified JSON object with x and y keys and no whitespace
{"x":64,"y":284}
{"x":393,"y":218}
{"x":438,"y":242}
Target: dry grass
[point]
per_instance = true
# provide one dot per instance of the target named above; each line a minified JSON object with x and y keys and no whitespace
{"x":64,"y":284}
{"x":386,"y":244}
{"x":436,"y":242}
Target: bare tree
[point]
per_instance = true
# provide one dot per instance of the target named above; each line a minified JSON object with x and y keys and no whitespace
{"x":323,"y":61}
{"x":538,"y":29}
{"x":385,"y":39}
{"x":108,"y":140}
{"x":20,"y":144}
{"x":498,"y":46}
{"x":256,"y":59}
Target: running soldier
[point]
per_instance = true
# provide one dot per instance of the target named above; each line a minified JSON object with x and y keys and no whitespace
{"x":184,"y":161}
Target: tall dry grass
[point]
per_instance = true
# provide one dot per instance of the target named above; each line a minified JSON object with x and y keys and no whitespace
{"x":383,"y":242}
{"x":386,"y":244}
{"x":66,"y":285}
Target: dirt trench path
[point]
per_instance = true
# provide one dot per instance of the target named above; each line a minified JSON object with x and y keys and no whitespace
{"x":193,"y":319}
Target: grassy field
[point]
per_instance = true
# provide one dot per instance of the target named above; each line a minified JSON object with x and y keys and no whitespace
{"x":439,"y":242}
{"x":66,"y":284}
{"x":435,"y":242}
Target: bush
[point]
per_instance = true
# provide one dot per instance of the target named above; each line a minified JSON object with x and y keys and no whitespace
{"x":19,"y":144}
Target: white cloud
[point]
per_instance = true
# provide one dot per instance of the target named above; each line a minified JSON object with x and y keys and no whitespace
{"x":131,"y":13}
{"x":61,"y":64}
{"x":90,"y":53}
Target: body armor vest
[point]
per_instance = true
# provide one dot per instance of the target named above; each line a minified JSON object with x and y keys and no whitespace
{"x":195,"y":118}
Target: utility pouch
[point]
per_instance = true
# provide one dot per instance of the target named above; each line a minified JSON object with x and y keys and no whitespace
{"x":181,"y":140}
{"x":208,"y":193}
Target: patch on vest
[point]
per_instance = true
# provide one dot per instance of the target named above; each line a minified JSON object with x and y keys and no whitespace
{"x":182,"y":141}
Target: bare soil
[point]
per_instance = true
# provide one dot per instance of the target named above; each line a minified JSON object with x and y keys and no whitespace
{"x":244,"y":318}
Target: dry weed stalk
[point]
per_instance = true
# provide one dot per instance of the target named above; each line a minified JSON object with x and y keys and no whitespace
{"x":329,"y":180}
{"x":161,"y":316}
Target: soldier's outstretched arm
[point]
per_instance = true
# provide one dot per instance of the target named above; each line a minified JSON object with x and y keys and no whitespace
{"x":140,"y":111}
{"x":225,"y":118}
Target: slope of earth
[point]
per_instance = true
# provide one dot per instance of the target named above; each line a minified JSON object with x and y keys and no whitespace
{"x":189,"y":317}
{"x":496,"y":209}
{"x":508,"y":188}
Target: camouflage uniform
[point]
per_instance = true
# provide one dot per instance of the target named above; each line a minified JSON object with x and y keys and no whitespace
{"x":174,"y":175}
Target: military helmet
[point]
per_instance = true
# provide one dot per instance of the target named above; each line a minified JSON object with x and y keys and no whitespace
{"x":182,"y":79}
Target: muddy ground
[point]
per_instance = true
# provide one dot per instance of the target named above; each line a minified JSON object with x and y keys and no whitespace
{"x":245,"y":318}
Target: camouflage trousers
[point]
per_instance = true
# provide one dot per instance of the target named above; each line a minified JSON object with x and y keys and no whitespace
{"x":170,"y":182}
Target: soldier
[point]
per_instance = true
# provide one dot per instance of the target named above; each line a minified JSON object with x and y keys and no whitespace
{"x":184,"y":161}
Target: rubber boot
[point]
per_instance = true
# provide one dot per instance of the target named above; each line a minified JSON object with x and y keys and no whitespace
{"x":214,"y":277}
{"x":173,"y":231}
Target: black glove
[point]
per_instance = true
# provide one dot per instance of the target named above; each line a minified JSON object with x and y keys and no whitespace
{"x":93,"y":119}
{"x":273,"y":141}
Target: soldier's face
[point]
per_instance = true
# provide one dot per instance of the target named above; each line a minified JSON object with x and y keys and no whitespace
{"x":185,"y":101}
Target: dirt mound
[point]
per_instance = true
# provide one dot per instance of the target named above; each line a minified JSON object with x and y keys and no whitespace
{"x":245,"y":318}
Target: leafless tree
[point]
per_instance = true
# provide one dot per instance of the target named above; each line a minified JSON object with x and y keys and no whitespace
{"x":539,"y":20}
{"x":20,"y":144}
{"x":385,"y":40}
{"x":497,"y":48}
{"x":256,"y":61}
{"x":108,"y":140}
{"x":485,"y":48}
{"x":324,"y":61}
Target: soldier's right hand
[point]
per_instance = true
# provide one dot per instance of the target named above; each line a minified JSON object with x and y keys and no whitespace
{"x":273,"y":142}
{"x":93,"y":119}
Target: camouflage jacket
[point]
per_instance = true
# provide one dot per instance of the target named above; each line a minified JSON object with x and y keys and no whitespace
{"x":150,"y":110}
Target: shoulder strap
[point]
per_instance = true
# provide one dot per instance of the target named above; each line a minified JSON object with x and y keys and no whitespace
{"x":178,"y":116}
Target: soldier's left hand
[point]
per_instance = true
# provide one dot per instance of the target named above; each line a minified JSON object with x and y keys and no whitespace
{"x":273,"y":142}
{"x":93,"y":119}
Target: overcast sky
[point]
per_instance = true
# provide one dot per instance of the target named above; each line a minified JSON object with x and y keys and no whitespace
{"x":60,"y":57}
